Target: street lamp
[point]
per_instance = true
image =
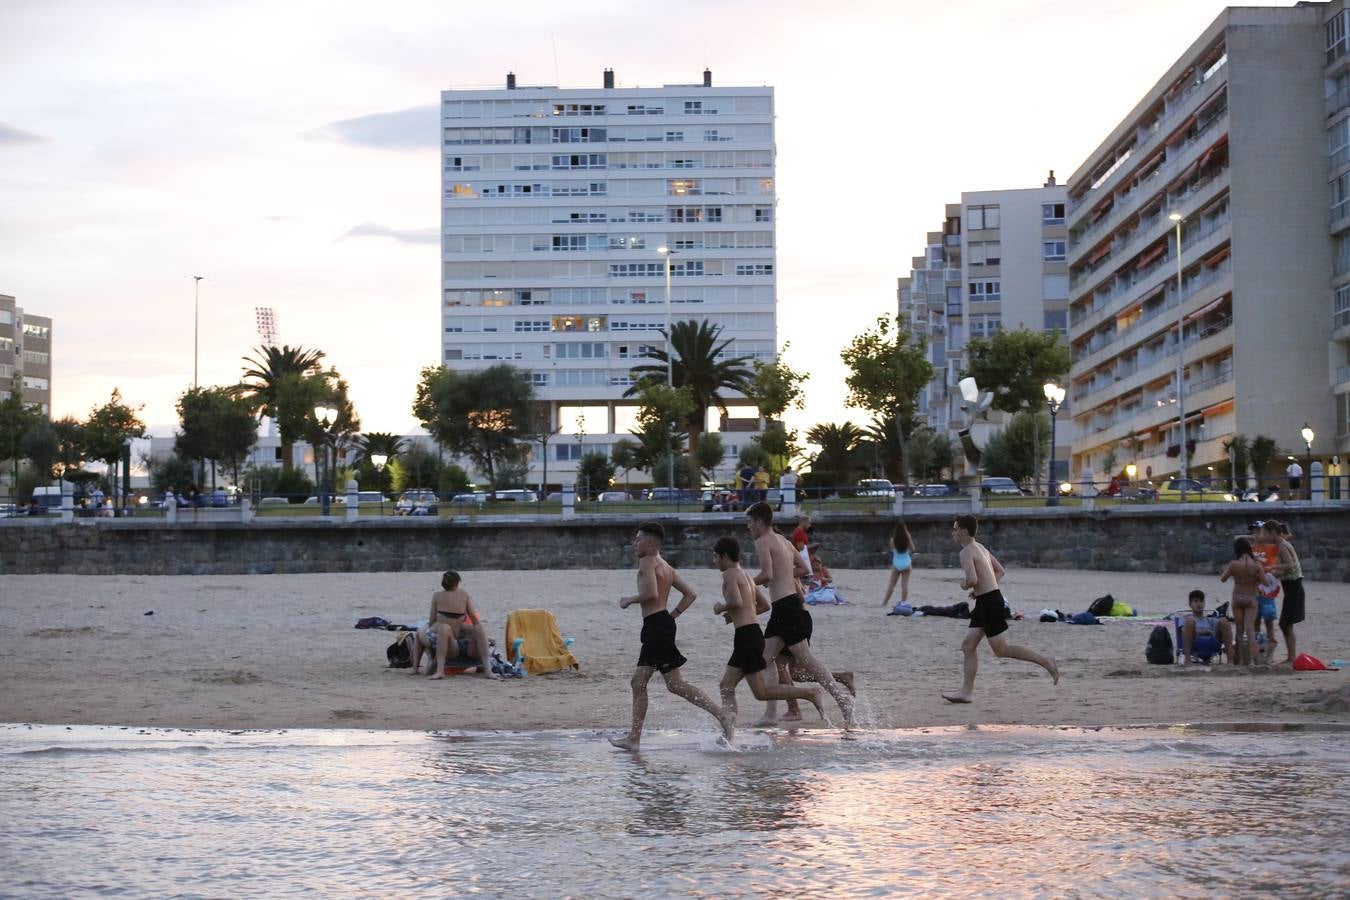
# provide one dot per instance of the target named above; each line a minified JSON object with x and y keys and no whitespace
{"x":1054,"y":395}
{"x":1307,"y":434}
{"x":324,"y":416}
{"x":667,"y":252}
{"x":1130,"y":470}
{"x":1177,"y":219}
{"x":196,"y":294}
{"x":379,"y":460}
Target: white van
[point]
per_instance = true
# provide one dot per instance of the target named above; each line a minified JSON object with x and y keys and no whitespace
{"x":49,"y":497}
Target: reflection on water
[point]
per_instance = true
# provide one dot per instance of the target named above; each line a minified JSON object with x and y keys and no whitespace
{"x":951,"y":811}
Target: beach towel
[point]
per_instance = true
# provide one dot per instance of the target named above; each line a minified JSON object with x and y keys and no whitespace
{"x":826,"y":594}
{"x":543,"y":646}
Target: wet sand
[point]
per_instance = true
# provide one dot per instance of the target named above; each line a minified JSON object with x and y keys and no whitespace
{"x":280,"y":652}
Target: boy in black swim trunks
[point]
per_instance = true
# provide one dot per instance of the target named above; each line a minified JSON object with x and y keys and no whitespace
{"x":741,"y":605}
{"x":982,"y":575}
{"x":789,"y":622}
{"x":659,"y":654}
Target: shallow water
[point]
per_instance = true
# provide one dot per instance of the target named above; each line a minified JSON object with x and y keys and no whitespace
{"x":1017,"y":811}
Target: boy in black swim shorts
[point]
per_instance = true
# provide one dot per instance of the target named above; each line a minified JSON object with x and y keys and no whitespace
{"x":659,"y":652}
{"x":987,"y":621}
{"x":740,"y":606}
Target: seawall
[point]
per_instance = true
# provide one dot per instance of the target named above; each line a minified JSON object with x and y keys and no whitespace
{"x":1194,"y":539}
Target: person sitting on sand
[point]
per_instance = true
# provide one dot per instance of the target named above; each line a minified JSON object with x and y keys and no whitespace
{"x":1202,"y":635}
{"x":452,"y":619}
{"x":1246,"y":573}
{"x":741,"y":605}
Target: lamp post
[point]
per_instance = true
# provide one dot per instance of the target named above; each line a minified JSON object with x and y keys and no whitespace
{"x":196,"y":305}
{"x":1054,"y":395}
{"x":1307,"y":434}
{"x":1130,"y":470}
{"x":670,"y":370}
{"x":1177,"y":219}
{"x":324,"y":416}
{"x":379,"y":460}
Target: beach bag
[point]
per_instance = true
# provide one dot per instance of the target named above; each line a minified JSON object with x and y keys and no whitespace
{"x":1102,"y":606}
{"x":1083,"y":618}
{"x":1159,"y":650}
{"x":400,"y":653}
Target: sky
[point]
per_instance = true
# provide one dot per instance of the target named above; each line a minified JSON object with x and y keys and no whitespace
{"x":288,"y":151}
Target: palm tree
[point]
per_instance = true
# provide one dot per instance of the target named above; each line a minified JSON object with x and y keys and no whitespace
{"x":838,"y":447}
{"x":261,"y":385}
{"x":1262,"y":452}
{"x":698,"y":365}
{"x":373,"y":443}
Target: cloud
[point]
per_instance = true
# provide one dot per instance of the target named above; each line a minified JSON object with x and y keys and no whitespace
{"x":415,"y":128}
{"x":402,"y":235}
{"x":11,"y":135}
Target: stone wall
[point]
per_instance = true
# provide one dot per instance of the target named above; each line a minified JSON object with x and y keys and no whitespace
{"x":1195,"y":539}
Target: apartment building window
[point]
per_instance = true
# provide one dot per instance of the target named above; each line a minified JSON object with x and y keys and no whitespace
{"x":1340,"y":197}
{"x":581,"y":161}
{"x":985,"y":326}
{"x":695,"y":108}
{"x":1341,"y":255}
{"x":569,"y":242}
{"x":35,"y":384}
{"x":579,"y":109}
{"x":1337,"y":36}
{"x":1056,"y":322}
{"x":539,"y":379}
{"x":627,"y":242}
{"x":34,"y":356}
{"x":523,"y":325}
{"x":754,"y":268}
{"x":1341,"y":310}
{"x":675,"y":137}
{"x":580,"y":378}
{"x":1338,"y":143}
{"x":1053,"y":251}
{"x":578,"y":135}
{"x":636,"y":270}
{"x":579,"y":351}
{"x":763,"y":213}
{"x":454,"y":353}
{"x":711,"y":136}
{"x":1052,"y":213}
{"x":984,"y":253}
{"x":691,"y":268}
{"x":980,"y":217}
{"x":566,"y":452}
{"x":639,"y":109}
{"x":37,"y":331}
{"x":683,"y":186}
{"x":590,"y":324}
{"x":985,"y":290}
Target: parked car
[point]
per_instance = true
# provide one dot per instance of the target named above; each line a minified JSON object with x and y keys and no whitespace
{"x":613,"y":497}
{"x":998,"y":484}
{"x":417,"y":502}
{"x":672,"y":495}
{"x":333,"y":500}
{"x":876,"y":487}
{"x":516,"y":495}
{"x":1196,"y":492}
{"x":470,"y":498}
{"x":372,"y":497}
{"x":933,"y":490}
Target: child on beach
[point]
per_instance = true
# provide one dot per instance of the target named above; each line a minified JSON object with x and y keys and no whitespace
{"x":1266,"y":612}
{"x":1246,"y":574}
{"x":901,"y":547}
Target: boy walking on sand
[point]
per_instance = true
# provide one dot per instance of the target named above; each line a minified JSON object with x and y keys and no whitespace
{"x":987,"y":620}
{"x":655,"y":578}
{"x":741,"y":605}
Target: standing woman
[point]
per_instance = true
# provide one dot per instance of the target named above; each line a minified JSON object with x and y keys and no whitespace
{"x":901,"y":547}
{"x":1289,"y":569}
{"x":1246,"y":572}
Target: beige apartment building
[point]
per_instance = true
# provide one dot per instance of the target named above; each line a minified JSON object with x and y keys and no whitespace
{"x":1233,"y":140}
{"x":25,"y":354}
{"x":999,"y":263}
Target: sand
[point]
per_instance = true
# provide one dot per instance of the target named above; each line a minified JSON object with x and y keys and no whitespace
{"x":238,"y":652}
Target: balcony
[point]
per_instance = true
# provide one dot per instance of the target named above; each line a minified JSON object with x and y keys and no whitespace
{"x":1342,"y":377}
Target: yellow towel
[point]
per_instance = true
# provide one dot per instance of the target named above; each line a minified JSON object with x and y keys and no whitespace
{"x":543,"y":647}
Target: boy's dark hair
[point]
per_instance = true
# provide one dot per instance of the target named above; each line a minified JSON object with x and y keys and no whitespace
{"x":1196,"y":595}
{"x":729,"y":547}
{"x":450,"y":581}
{"x":654,"y":529}
{"x":969,"y":523}
{"x":760,"y":512}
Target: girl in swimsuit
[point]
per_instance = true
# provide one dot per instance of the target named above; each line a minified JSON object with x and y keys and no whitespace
{"x":1246,"y":573}
{"x":452,"y":618}
{"x":901,"y":545}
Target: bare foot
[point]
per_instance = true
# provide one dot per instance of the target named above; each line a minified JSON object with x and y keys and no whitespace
{"x":728,"y":721}
{"x":815,"y":701}
{"x":766,"y":722}
{"x":956,"y":698}
{"x":792,"y":715}
{"x":624,"y":743}
{"x":1054,"y":672}
{"x":437,"y":676}
{"x":492,"y":676}
{"x":846,"y":679}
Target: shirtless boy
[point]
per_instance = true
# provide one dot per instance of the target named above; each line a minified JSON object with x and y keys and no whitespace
{"x":655,"y":578}
{"x":741,"y":605}
{"x":789,"y":622}
{"x":987,"y":621}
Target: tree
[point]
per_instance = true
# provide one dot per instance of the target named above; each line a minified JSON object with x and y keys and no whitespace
{"x":41,"y":446}
{"x":1015,"y":365}
{"x":838,"y":451}
{"x":1262,"y":453}
{"x":709,"y":455}
{"x":171,"y":472}
{"x":884,"y":436}
{"x":415,"y":467}
{"x":70,"y":453}
{"x":17,"y":420}
{"x":754,"y":455}
{"x":594,"y":473}
{"x":929,"y":453}
{"x":262,"y":386}
{"x":1012,"y":451}
{"x":540,"y":429}
{"x":1237,"y":449}
{"x":780,"y":444}
{"x":698,"y":368}
{"x":217,"y":425}
{"x":775,"y":387}
{"x":888,"y":368}
{"x":477,"y":414}
{"x":624,"y":454}
{"x":108,"y":432}
{"x":453,"y":480}
{"x":331,"y":389}
{"x":662,"y":412}
{"x":376,"y":443}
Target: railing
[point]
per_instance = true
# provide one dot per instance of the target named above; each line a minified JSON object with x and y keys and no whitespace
{"x":1341,"y":319}
{"x":1342,"y":374}
{"x":1208,"y":383}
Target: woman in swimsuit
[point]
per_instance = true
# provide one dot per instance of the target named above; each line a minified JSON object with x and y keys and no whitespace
{"x":901,"y":545}
{"x":452,"y":618}
{"x":1246,"y":573}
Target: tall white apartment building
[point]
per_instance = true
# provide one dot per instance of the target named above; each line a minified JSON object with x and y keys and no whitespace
{"x":555,"y":204}
{"x":25,"y":355}
{"x":1337,"y":41}
{"x":997,"y":264}
{"x":1234,"y":140}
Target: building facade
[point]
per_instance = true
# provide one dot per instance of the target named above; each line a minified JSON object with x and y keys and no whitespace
{"x":999,"y":263}
{"x":1337,"y":40}
{"x":1232,"y":142}
{"x":556,"y":206}
{"x":25,"y":355}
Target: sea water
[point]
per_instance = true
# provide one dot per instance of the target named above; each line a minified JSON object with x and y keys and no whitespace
{"x":989,"y":810}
